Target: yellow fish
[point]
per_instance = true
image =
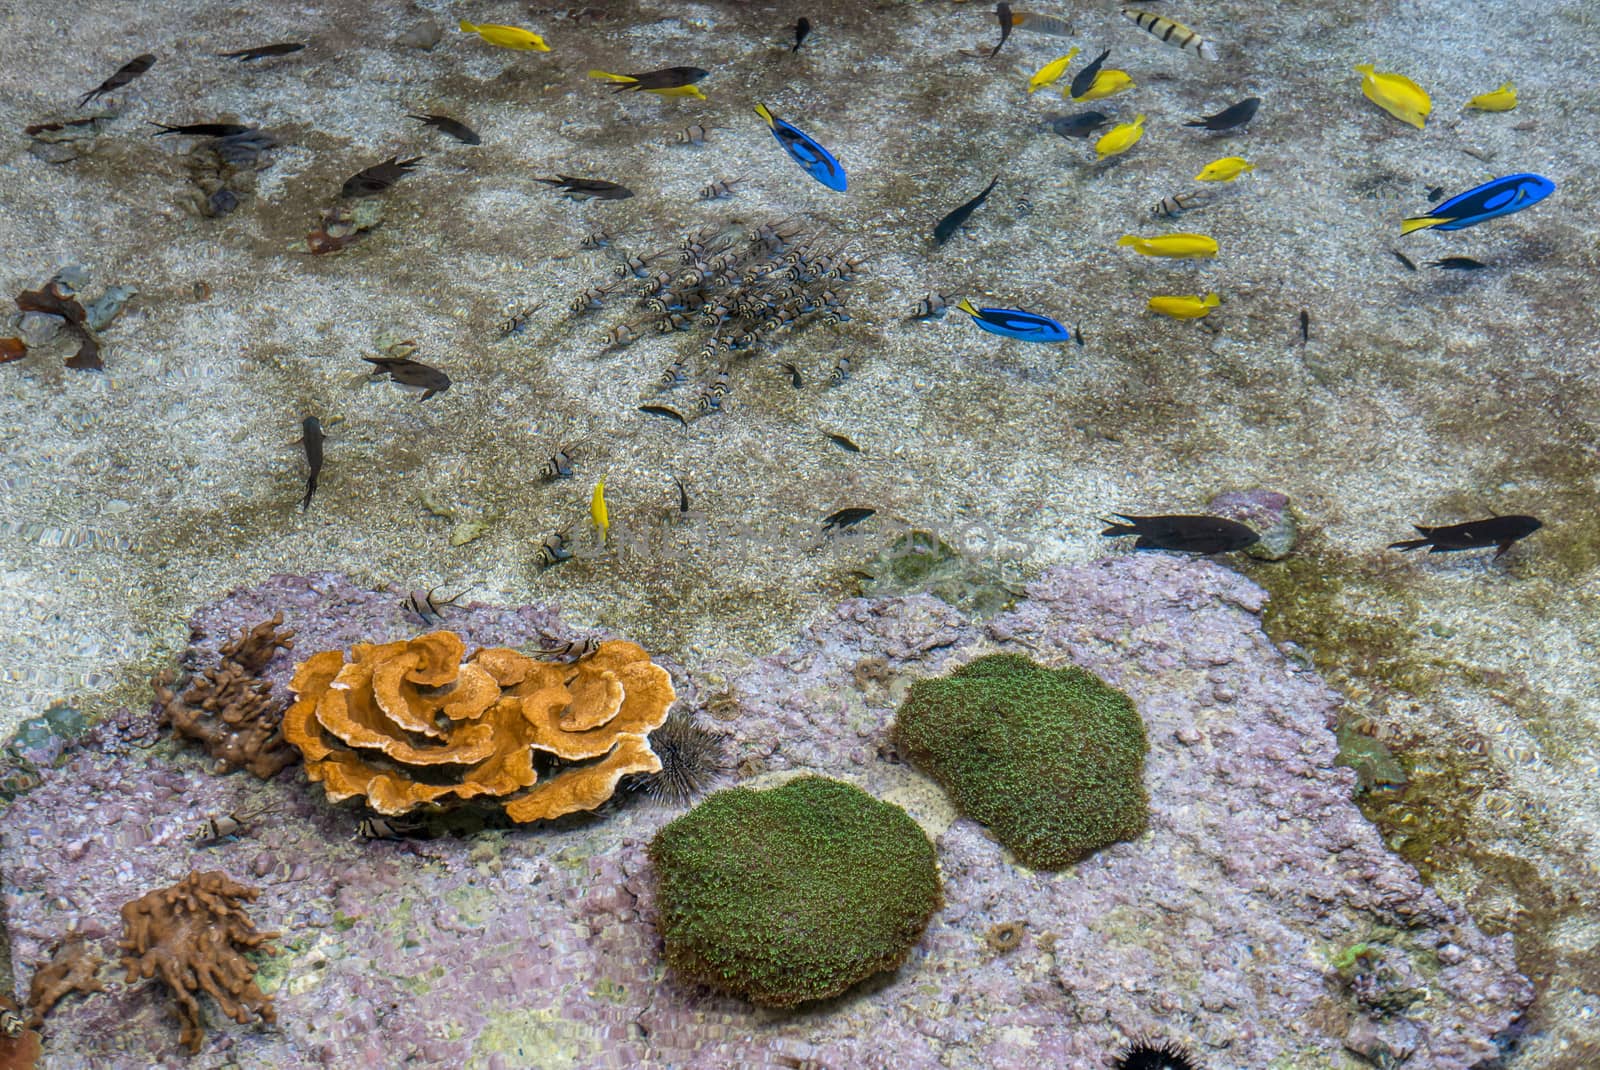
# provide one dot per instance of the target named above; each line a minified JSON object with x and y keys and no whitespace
{"x":597,"y":509}
{"x":1502,"y":99}
{"x":507,"y":36}
{"x":1396,"y":94}
{"x":1120,"y":138}
{"x":1051,"y":72}
{"x":1185,"y":308}
{"x":1106,"y":83}
{"x":1224,"y":170}
{"x":1173,"y":245}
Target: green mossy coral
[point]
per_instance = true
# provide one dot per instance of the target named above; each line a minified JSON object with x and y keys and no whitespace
{"x":794,"y":893}
{"x":1052,"y":760}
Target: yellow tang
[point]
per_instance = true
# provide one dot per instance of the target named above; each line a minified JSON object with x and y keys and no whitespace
{"x":1106,"y":83}
{"x":1173,"y":245}
{"x":1185,"y":308}
{"x":1396,"y":94}
{"x":1224,"y":170}
{"x":597,"y":509}
{"x":1051,"y":72}
{"x":1502,"y":99}
{"x":1120,"y":138}
{"x":507,"y":36}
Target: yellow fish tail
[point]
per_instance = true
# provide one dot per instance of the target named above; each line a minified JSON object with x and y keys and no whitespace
{"x":966,"y":306}
{"x":1129,"y":239}
{"x":623,"y":78}
{"x":467,"y":27}
{"x":1419,"y":223}
{"x":766,"y":116}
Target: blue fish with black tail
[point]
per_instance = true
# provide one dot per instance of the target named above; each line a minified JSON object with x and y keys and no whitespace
{"x":817,"y":161}
{"x":1015,"y":323}
{"x":1503,"y":196}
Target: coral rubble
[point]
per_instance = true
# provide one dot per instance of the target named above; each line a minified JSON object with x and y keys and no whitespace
{"x":408,"y":724}
{"x":794,"y":893}
{"x":193,"y":936}
{"x":1051,"y":759}
{"x":70,"y":969}
{"x":230,"y":708}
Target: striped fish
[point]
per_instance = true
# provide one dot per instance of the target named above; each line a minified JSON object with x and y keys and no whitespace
{"x":1173,"y":32}
{"x":1175,"y":205}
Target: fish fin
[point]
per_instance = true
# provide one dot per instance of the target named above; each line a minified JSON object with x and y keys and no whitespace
{"x":966,"y":306}
{"x":1128,"y":239}
{"x":1118,"y":529}
{"x":761,"y":110}
{"x":467,"y":27}
{"x":1211,"y":300}
{"x":1503,"y":547}
{"x":1420,"y":222}
{"x":1409,"y":544}
{"x":625,"y":79}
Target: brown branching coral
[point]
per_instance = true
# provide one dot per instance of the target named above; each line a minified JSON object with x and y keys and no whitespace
{"x":193,"y":936}
{"x":70,"y":969}
{"x":408,"y":724}
{"x":229,"y":708}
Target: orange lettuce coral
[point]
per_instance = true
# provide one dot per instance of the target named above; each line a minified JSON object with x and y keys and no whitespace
{"x":409,"y":724}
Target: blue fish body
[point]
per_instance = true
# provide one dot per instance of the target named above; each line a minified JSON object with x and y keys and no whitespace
{"x":817,"y":161}
{"x":1015,"y":323}
{"x":1500,"y":197}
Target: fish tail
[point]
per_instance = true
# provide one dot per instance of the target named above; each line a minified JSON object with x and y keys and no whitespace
{"x":1420,"y":222}
{"x":761,"y":110}
{"x":1364,"y":68}
{"x":1118,"y":529}
{"x":1211,"y":300}
{"x":966,"y":306}
{"x":1128,"y":239}
{"x":1409,"y":544}
{"x":467,"y":27}
{"x":626,"y":79}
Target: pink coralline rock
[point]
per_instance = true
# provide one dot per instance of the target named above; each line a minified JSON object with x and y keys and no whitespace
{"x":1235,"y":925}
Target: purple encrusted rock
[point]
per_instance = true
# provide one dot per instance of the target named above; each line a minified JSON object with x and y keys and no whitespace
{"x":1271,"y":515}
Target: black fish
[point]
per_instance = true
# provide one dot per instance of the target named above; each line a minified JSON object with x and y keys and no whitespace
{"x":948,"y":225}
{"x":311,"y":438}
{"x":1002,"y":11}
{"x":683,"y":497}
{"x":1083,"y":81}
{"x":1436,"y":193}
{"x":244,"y":148}
{"x":1500,"y":531}
{"x":413,"y":373}
{"x":446,"y":125}
{"x":794,"y":375}
{"x":1081,"y":125}
{"x":1185,"y":534}
{"x":1305,"y":326}
{"x":801,"y":29}
{"x":201,"y":129}
{"x":662,"y":410}
{"x":377,"y":178}
{"x":264,"y":51}
{"x":845,"y":518}
{"x":665,"y":78}
{"x":1230,"y":117}
{"x":1404,"y":259}
{"x":1458,"y":263}
{"x":589,"y":187}
{"x":1077,"y":334}
{"x":125,"y":74}
{"x":842,"y":442}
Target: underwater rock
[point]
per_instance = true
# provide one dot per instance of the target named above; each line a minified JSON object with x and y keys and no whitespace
{"x":423,"y":34}
{"x":1269,"y":513}
{"x":792,"y":894}
{"x":70,"y":969}
{"x":920,"y":562}
{"x":1052,"y":760}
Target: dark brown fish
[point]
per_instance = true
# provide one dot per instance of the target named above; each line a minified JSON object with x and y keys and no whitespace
{"x":665,"y":78}
{"x":125,"y":74}
{"x":589,"y":187}
{"x":201,"y":129}
{"x":412,"y":373}
{"x":1404,"y":259}
{"x":662,"y":410}
{"x":1184,"y":534}
{"x":683,"y":497}
{"x":377,"y":178}
{"x":794,"y":374}
{"x":845,"y":518}
{"x":1458,"y":263}
{"x":1081,"y":125}
{"x":1002,"y":11}
{"x":1305,"y":326}
{"x":47,"y":128}
{"x":801,"y":30}
{"x":446,"y":125}
{"x":842,"y":442}
{"x":311,"y":439}
{"x":1498,"y":531}
{"x":947,"y":226}
{"x":263,"y":51}
{"x":1083,"y":81}
{"x":1230,"y":117}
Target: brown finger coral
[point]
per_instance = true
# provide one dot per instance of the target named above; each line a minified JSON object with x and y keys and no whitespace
{"x":193,"y":936}
{"x":229,"y":709}
{"x":408,"y":724}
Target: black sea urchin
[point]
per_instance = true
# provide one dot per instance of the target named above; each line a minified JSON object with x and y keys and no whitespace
{"x":1147,"y":1055}
{"x":694,"y":759}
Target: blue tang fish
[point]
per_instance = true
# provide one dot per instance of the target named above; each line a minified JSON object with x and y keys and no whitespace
{"x":1503,"y":196}
{"x":1015,"y":323}
{"x":817,"y":161}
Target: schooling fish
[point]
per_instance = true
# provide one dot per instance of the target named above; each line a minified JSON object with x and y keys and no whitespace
{"x":245,"y":55}
{"x":507,"y":36}
{"x":311,"y":437}
{"x":598,"y":511}
{"x":1224,"y":170}
{"x":1120,"y":138}
{"x":453,"y":127}
{"x":815,"y":160}
{"x":377,"y":178}
{"x":1396,"y":94}
{"x":1083,"y":81}
{"x":412,"y":373}
{"x":842,"y":441}
{"x":665,"y":412}
{"x":597,"y":188}
{"x":125,"y":74}
{"x":1002,"y":11}
{"x":1051,"y":72}
{"x":845,"y":518}
{"x":201,"y":129}
{"x":1500,"y":531}
{"x":802,"y":30}
{"x":1036,"y":23}
{"x":1502,"y":99}
{"x":1106,"y":84}
{"x":1177,"y":246}
{"x":668,"y":81}
{"x":947,"y":226}
{"x":1015,"y":323}
{"x":1185,"y":308}
{"x":430,"y":610}
{"x":1458,"y":263}
{"x":1171,"y":31}
{"x":1184,"y":534}
{"x":1179,"y":203}
{"x":1081,"y":125}
{"x":1500,"y":197}
{"x":1230,"y":117}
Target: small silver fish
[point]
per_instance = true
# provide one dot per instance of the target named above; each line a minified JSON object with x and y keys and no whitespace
{"x":570,"y":650}
{"x":553,"y":550}
{"x":692,"y":135}
{"x":719,"y":190}
{"x":12,"y":1024}
{"x":931,"y":307}
{"x":374,"y":827}
{"x":430,"y":610}
{"x":559,"y":466}
{"x":840,"y":373}
{"x":1179,"y":203}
